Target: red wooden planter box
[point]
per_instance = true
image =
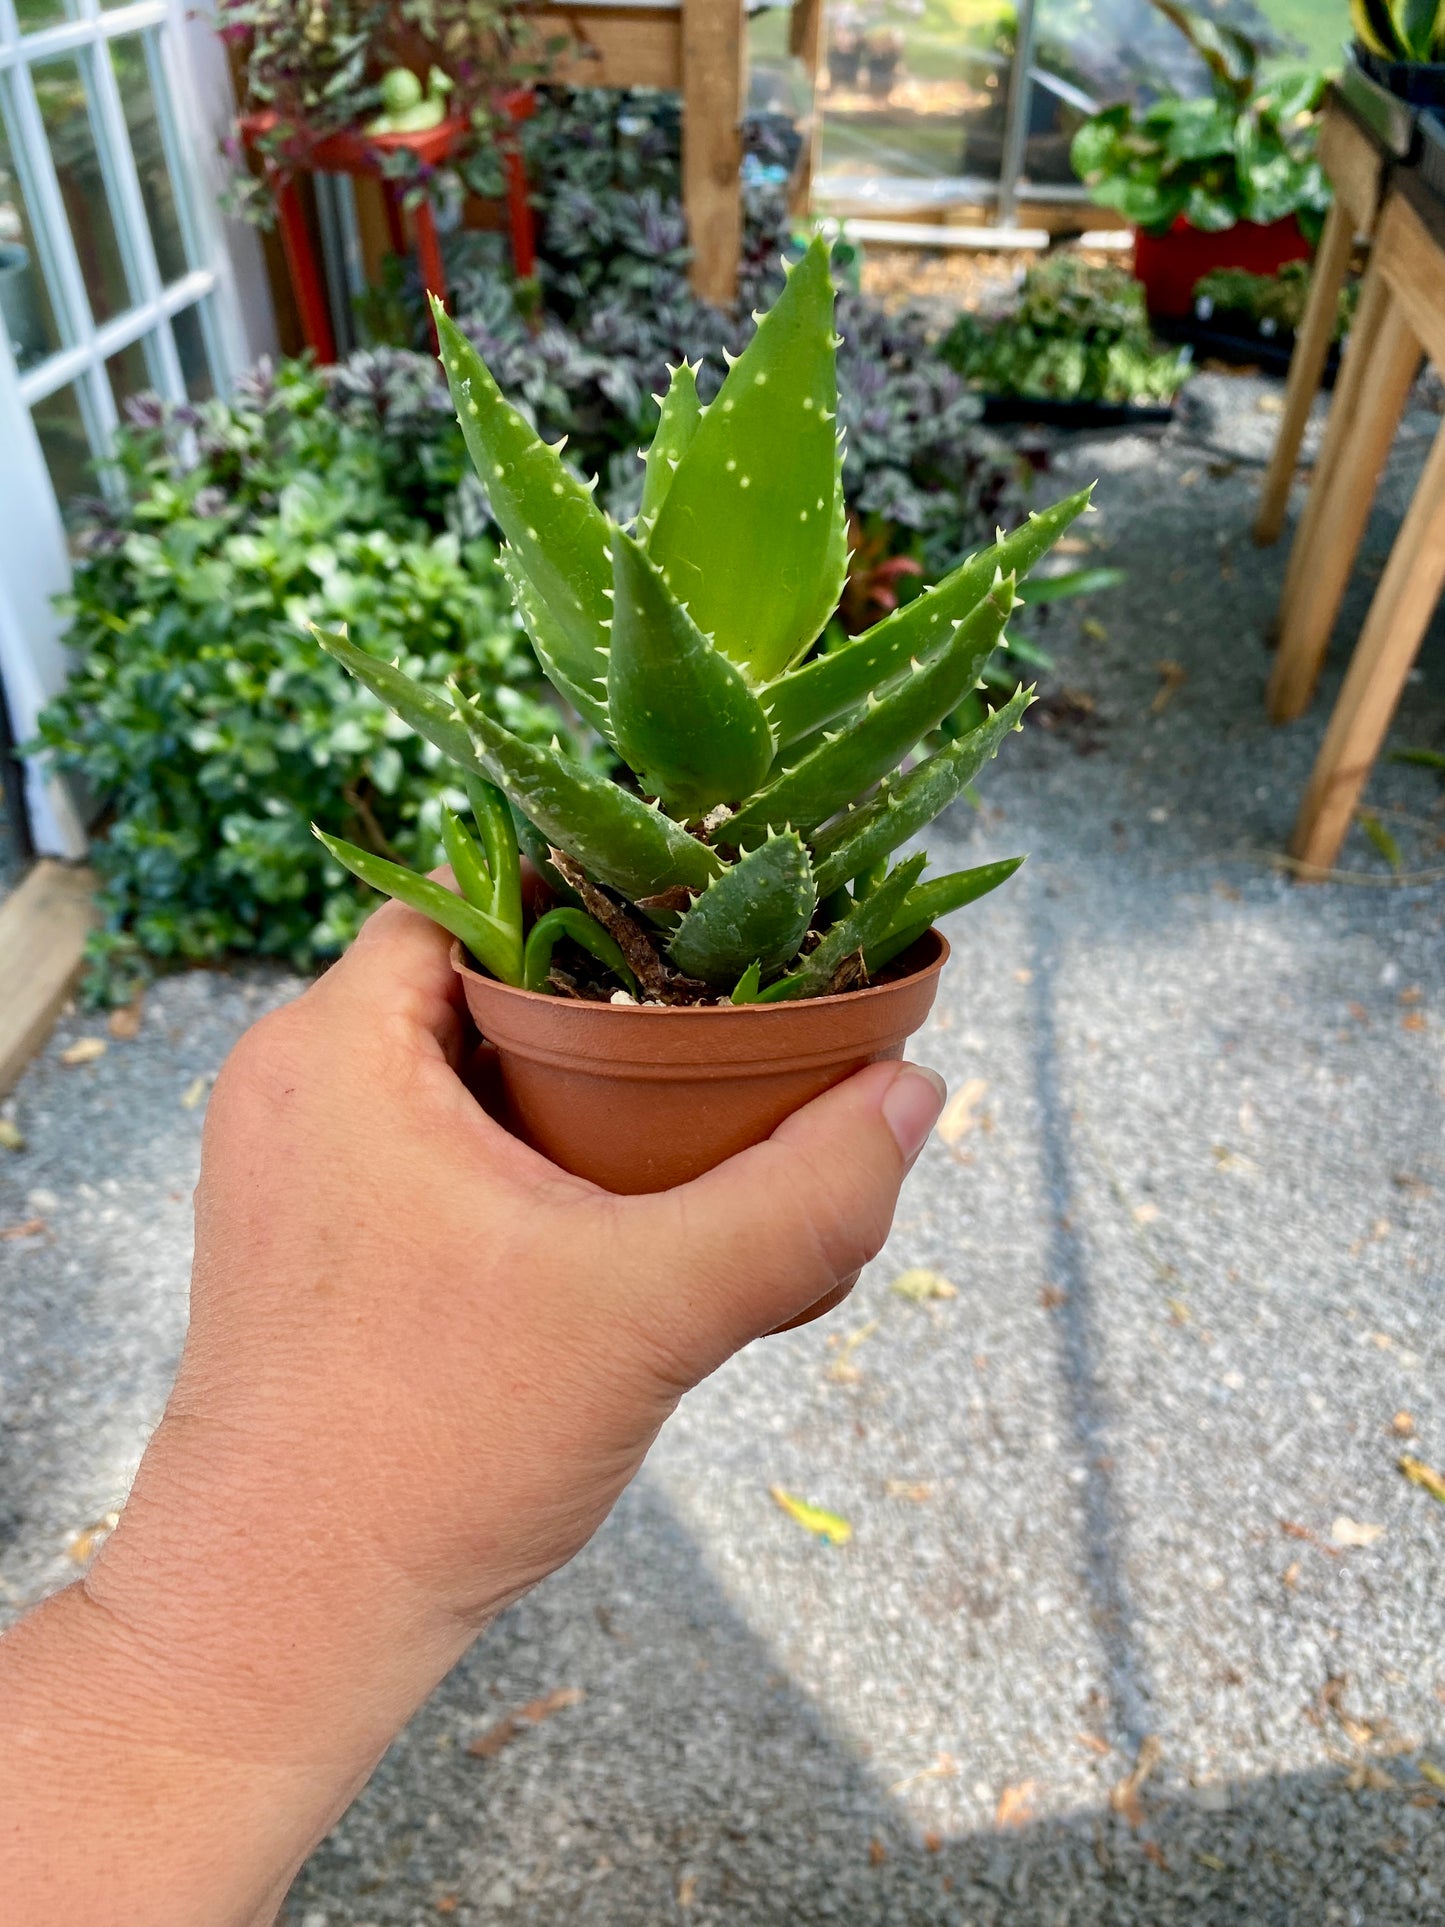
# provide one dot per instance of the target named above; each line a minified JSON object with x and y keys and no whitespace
{"x":1170,"y":264}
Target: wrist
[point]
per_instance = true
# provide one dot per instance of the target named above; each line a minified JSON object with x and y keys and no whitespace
{"x":256,"y":1609}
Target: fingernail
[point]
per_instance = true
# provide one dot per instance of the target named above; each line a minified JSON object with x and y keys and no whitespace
{"x":911,"y":1106}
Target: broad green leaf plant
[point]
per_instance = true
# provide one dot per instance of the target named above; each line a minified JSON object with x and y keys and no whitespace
{"x":1403,"y":30}
{"x":747,"y":853}
{"x":1243,"y":152}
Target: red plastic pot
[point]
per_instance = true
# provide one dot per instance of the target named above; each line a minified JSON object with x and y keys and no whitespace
{"x":1170,"y":265}
{"x":640,"y":1097}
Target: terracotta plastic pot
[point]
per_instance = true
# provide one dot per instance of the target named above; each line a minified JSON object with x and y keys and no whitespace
{"x":1171,"y":264}
{"x":640,"y":1098}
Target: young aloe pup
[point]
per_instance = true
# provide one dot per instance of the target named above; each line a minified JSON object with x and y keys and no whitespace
{"x":749,"y":859}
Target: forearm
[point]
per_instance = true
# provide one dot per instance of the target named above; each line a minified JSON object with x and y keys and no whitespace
{"x":182,"y":1729}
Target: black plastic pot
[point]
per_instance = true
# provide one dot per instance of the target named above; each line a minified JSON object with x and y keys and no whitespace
{"x":1419,"y":82}
{"x":1051,"y":413}
{"x":1234,"y":338}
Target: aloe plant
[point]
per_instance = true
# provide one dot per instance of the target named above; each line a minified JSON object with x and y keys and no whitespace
{"x":746,"y":852}
{"x":1404,"y":30}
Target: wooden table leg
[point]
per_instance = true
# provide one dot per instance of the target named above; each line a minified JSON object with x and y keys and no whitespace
{"x":429,"y":258}
{"x":1306,"y":368}
{"x":1389,"y":642}
{"x":714,"y":65}
{"x":305,"y":275}
{"x":1369,"y":401}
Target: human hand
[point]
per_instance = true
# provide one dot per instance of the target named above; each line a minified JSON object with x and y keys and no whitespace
{"x":422,"y":1361}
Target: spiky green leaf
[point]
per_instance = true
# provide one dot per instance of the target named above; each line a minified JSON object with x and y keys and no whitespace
{"x":757,"y":911}
{"x":905,"y":805}
{"x":927,"y":902}
{"x":469,"y":867}
{"x":497,"y":948}
{"x":552,"y":648}
{"x":746,"y":989}
{"x":682,"y":714}
{"x":549,"y":930}
{"x":429,"y":714}
{"x":820,"y":691}
{"x":866,"y":924}
{"x":848,"y":763}
{"x":499,"y":841}
{"x":747,"y":533}
{"x":613,"y":834}
{"x":547,"y":514}
{"x":681,"y":413}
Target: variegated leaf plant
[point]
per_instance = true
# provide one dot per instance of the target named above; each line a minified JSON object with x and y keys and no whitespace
{"x":749,"y":858}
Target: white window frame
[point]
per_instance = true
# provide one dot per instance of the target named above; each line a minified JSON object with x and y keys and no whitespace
{"x":191,"y":87}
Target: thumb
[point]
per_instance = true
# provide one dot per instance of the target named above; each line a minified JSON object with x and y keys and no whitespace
{"x":759,"y":1240}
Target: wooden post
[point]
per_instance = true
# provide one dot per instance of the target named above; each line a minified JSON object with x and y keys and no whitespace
{"x":1370,"y":398}
{"x":1306,"y":368}
{"x":714,"y":60}
{"x":805,"y":43}
{"x":1389,"y":642}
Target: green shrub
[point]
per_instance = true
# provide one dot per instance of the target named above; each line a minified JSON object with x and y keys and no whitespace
{"x":202,"y":713}
{"x":1078,"y":333}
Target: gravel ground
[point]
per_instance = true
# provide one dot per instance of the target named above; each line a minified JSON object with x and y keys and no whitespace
{"x":1195,"y":1227}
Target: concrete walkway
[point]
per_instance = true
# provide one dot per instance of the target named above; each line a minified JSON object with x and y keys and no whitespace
{"x":1193,"y":1210}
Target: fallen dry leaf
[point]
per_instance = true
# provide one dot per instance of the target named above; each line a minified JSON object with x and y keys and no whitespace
{"x":943,"y":1768}
{"x":1124,"y":1797}
{"x":933,"y":1842}
{"x":916,"y":1491}
{"x":1303,"y":1532}
{"x":1414,"y":1020}
{"x":1290,"y":1576}
{"x":194,"y":1093}
{"x":1355,"y":1532}
{"x":1211,"y":1860}
{"x":1094,"y":1744}
{"x":1403,"y":1425}
{"x":1173,"y":675}
{"x":84,"y":1050}
{"x":1425,"y":1476}
{"x":1052,"y":1296}
{"x":877,"y":1853}
{"x":27,"y":1228}
{"x":1016,"y":1805}
{"x":687,"y":1890}
{"x":1152,"y":1850}
{"x":1411,"y":994}
{"x":124,"y":1024}
{"x":1364,"y":1774}
{"x":829,"y":1526}
{"x":487,"y":1745}
{"x":1434,"y":1774}
{"x":1145,"y":1213}
{"x":920,"y":1285}
{"x":960,"y":1113}
{"x":12,"y":1138}
{"x":1094,"y":629}
{"x":842,"y":1371}
{"x":88,"y":1541}
{"x":448,"y":1904}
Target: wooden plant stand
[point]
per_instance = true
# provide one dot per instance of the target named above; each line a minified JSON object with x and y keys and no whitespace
{"x":1401,"y":317}
{"x":360,"y":154}
{"x":1357,"y":170}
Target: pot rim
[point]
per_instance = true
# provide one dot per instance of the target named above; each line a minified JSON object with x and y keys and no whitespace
{"x":939,"y":951}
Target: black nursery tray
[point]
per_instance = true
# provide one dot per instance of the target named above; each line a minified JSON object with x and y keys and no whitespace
{"x":1231,"y":339}
{"x":1051,"y":413}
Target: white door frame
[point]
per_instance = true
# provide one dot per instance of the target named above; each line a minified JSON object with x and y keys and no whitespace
{"x":191,"y":86}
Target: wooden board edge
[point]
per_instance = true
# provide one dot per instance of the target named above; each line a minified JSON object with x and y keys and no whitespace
{"x":44,"y":923}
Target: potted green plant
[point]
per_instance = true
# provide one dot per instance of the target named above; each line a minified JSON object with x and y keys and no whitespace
{"x":1229,"y":180}
{"x":718,"y":931}
{"x":1400,"y":44}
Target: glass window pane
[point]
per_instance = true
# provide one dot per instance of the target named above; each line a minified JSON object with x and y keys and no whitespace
{"x":25,"y":309}
{"x":191,"y":347}
{"x":66,"y":113}
{"x":61,"y":427}
{"x":129,"y":374}
{"x":34,"y":14}
{"x":156,"y":186}
{"x":914,"y":99}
